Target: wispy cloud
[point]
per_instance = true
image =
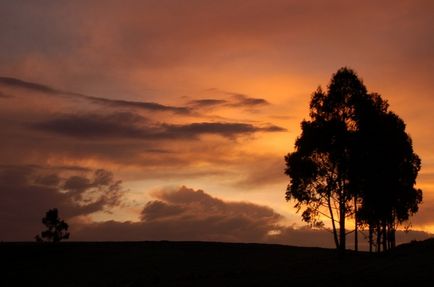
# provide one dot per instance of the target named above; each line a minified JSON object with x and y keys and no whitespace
{"x":148,"y":106}
{"x":241,"y":100}
{"x":201,"y":103}
{"x":131,"y":125}
{"x":230,"y":99}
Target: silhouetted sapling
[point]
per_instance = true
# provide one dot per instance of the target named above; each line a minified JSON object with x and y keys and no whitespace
{"x":57,"y":229}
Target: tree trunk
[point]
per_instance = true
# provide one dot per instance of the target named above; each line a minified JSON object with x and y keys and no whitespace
{"x":378,"y":238}
{"x":356,"y":239}
{"x":342,"y":235}
{"x":392,"y":239}
{"x":384,"y":237}
{"x":389,"y":244}
{"x":335,"y":233}
{"x":371,"y":237}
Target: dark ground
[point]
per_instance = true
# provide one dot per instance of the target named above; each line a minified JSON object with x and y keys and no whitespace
{"x":209,"y":264}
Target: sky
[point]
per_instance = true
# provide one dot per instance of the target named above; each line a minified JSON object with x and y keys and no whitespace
{"x":169,"y":120}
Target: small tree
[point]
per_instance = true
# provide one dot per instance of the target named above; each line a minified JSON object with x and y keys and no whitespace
{"x":57,"y":229}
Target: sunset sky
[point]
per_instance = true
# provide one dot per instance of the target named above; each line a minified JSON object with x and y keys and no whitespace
{"x":151,"y":120}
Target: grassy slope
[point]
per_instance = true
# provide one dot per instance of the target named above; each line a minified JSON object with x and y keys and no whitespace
{"x":208,"y":264}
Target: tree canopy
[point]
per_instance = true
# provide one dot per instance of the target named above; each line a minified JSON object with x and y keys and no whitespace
{"x":353,"y":159}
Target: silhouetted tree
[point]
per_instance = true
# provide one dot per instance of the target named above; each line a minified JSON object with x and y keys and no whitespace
{"x":385,"y":173}
{"x":57,"y":229}
{"x":319,"y":166}
{"x":331,"y":170}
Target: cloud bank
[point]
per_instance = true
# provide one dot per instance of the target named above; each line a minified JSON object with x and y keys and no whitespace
{"x":27,"y":192}
{"x":188,"y":214}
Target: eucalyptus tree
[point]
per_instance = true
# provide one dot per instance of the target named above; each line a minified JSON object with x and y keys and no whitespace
{"x":353,"y":159}
{"x":385,"y":172}
{"x":319,"y":168}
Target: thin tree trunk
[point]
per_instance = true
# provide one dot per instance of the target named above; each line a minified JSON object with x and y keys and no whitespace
{"x":384,"y":237}
{"x":393,"y":237}
{"x":378,"y":238}
{"x":371,"y":237}
{"x":356,"y":239}
{"x":389,"y":243}
{"x":335,"y":233}
{"x":342,"y":234}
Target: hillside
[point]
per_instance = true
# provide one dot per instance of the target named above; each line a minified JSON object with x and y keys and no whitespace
{"x":208,"y":264}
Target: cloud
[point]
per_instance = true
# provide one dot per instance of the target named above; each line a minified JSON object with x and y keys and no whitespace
{"x":96,"y":126}
{"x":197,"y":202}
{"x":241,"y":100}
{"x":17,"y":83}
{"x":26,"y":192}
{"x":229,"y":130}
{"x":148,"y":106}
{"x":140,"y":105}
{"x":131,"y":125}
{"x":121,"y":124}
{"x":188,"y":214}
{"x":207,"y":103}
{"x":159,"y":209}
{"x":128,"y":39}
{"x":236,"y":100}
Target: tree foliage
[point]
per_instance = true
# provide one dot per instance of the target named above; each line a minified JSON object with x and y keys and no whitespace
{"x":57,"y":229}
{"x":352,"y":159}
{"x":385,"y":174}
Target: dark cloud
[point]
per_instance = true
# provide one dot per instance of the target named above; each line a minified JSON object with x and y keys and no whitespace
{"x":236,"y":100}
{"x":17,"y":83}
{"x":27,"y":192}
{"x":229,"y":130}
{"x":148,"y":106}
{"x":97,"y":126}
{"x":187,"y":214}
{"x":131,"y":125}
{"x":203,"y":217}
{"x":140,"y":105}
{"x":47,"y":171}
{"x":241,"y":100}
{"x":159,"y":209}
